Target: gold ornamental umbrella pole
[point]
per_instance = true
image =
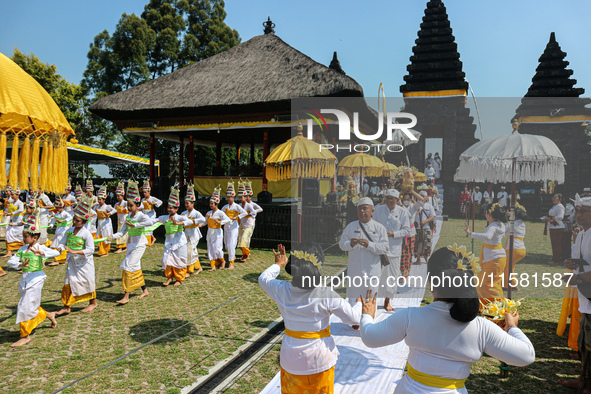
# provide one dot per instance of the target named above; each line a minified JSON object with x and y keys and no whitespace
{"x":27,"y":111}
{"x":361,"y":164}
{"x":299,"y":158}
{"x":389,"y":170}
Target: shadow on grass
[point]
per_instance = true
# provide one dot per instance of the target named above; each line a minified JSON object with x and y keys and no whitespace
{"x":148,"y":330}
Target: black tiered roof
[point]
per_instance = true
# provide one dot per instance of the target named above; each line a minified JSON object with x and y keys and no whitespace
{"x":435,"y":63}
{"x":553,"y":83}
{"x":552,"y":76}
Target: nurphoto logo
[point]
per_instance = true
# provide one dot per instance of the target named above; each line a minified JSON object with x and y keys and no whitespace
{"x":344,"y":123}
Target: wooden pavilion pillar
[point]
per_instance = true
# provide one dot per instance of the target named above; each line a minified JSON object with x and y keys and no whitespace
{"x":237,"y":155}
{"x":265,"y":154}
{"x":218,"y":150}
{"x":152,"y":159}
{"x":252,"y":154}
{"x":191,"y":159}
{"x":181,"y":162}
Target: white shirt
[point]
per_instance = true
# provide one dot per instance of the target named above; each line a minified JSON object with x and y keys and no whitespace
{"x":581,"y":249}
{"x":557,"y":211}
{"x":123,"y":207}
{"x":80,"y":274}
{"x":425,"y":212}
{"x":307,"y":310}
{"x":215,"y":233}
{"x":488,"y":197}
{"x":502,"y":196}
{"x":477,"y":197}
{"x":136,"y":240}
{"x":249,"y":220}
{"x":234,"y":223}
{"x":444,"y":347}
{"x":430,"y":172}
{"x":518,"y":231}
{"x":364,"y":261}
{"x":175,"y":241}
{"x":150,"y":212}
{"x":365,"y":189}
{"x":396,"y":221}
{"x":194,"y":233}
{"x":493,"y":235}
{"x":375,"y":190}
{"x":412,"y":214}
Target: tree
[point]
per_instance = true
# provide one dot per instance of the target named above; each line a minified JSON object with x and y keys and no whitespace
{"x":168,"y":35}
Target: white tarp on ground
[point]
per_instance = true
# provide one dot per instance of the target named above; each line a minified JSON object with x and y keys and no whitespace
{"x":364,"y":370}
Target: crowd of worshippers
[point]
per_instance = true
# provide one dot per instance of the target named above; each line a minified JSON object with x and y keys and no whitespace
{"x":380,"y":245}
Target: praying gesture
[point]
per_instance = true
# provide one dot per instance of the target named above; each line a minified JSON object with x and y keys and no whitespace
{"x":369,"y":304}
{"x":280,"y":257}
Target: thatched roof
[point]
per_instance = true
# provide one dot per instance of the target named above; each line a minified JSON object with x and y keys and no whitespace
{"x":256,"y":75}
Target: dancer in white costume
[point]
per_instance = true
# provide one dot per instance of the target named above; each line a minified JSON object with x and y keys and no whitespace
{"x":441,"y":362}
{"x":193,"y":232}
{"x":308,"y":351}
{"x":79,"y":284}
{"x":131,"y":266}
{"x":236,"y":213}
{"x":29,"y":259}
{"x":148,"y":204}
{"x":215,"y":235}
{"x":62,"y":221}
{"x":121,"y":207}
{"x":174,"y":257}
{"x":14,"y":232}
{"x":104,"y":225}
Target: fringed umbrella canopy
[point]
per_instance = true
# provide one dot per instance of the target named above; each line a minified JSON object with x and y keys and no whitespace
{"x":399,"y":138}
{"x":299,"y":158}
{"x":28,"y":112}
{"x":370,"y":166}
{"x":537,"y":158}
{"x":389,"y":169}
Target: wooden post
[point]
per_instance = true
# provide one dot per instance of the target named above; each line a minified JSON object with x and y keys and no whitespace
{"x":333,"y":181}
{"x":181,"y":161}
{"x":265,"y":154}
{"x":191,"y":159}
{"x":218,"y":150}
{"x":152,"y":159}
{"x":252,"y":151}
{"x":237,"y":155}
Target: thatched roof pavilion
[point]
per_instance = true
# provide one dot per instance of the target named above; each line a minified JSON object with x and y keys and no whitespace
{"x":238,"y":97}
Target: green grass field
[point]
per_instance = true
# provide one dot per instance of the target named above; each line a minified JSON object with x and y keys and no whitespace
{"x":83,"y":343}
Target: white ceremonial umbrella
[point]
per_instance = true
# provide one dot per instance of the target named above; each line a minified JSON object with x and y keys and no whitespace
{"x":399,"y":138}
{"x":516,"y":157}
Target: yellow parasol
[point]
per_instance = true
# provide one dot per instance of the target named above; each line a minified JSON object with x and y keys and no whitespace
{"x":419,"y":176}
{"x":27,"y":111}
{"x":389,"y":169}
{"x":297,"y":158}
{"x":368,"y":165}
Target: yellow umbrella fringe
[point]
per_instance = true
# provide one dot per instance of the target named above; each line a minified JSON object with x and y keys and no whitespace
{"x":54,"y":167}
{"x":43,"y":175}
{"x":35,"y":164}
{"x":23,"y":164}
{"x":13,"y":172}
{"x":3,"y":178}
{"x":63,"y":167}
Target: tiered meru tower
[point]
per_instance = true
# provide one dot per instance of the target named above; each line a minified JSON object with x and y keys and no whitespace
{"x":552,"y":108}
{"x":435,"y":92}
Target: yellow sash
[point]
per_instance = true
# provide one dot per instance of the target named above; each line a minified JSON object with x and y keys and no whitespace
{"x":101,"y":214}
{"x":68,"y":203}
{"x":434,"y":381}
{"x":308,"y":334}
{"x":121,"y":210}
{"x":148,"y":206}
{"x":211,"y":223}
{"x":232,"y":214}
{"x":499,"y":246}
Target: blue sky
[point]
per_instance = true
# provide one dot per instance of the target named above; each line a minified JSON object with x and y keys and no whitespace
{"x":499,"y":41}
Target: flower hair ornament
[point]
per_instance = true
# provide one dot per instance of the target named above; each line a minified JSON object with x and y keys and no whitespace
{"x":467,"y":261}
{"x":494,"y":206}
{"x":311,"y":257}
{"x":519,"y":206}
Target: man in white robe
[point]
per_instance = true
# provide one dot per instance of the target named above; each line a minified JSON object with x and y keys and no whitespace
{"x":364,"y":267}
{"x":397,"y":223}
